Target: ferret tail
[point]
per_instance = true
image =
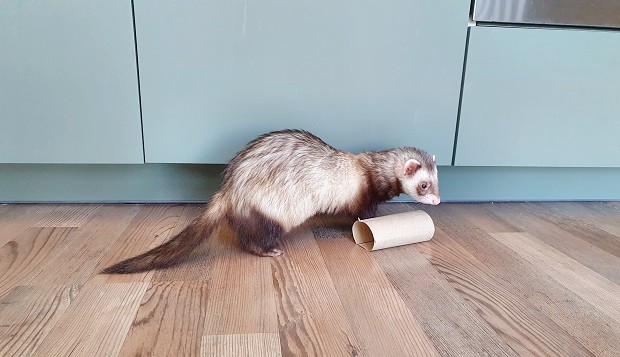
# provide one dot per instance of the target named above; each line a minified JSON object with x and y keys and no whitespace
{"x":179,"y":246}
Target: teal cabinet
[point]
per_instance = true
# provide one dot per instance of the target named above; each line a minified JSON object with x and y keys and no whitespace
{"x":68,"y":83}
{"x":541,"y":97}
{"x":360,"y":74}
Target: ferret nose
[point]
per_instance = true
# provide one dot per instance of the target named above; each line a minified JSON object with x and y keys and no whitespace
{"x":436,"y":200}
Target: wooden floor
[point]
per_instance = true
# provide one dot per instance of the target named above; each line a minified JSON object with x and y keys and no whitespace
{"x":496,"y":279}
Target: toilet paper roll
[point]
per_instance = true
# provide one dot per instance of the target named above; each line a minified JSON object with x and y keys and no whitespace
{"x":393,"y":230}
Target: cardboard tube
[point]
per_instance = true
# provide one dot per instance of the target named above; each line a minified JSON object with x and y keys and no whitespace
{"x":393,"y":230}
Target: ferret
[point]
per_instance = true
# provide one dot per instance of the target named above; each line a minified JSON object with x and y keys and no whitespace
{"x":281,"y":179}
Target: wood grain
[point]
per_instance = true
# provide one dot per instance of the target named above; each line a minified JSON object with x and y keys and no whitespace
{"x":457,"y":216}
{"x":153,"y":225}
{"x":381,"y":321}
{"x":197,"y":265}
{"x":455,"y":328}
{"x":172,"y":311}
{"x":592,"y":287}
{"x":576,"y":316}
{"x":96,"y":323}
{"x":68,"y":216}
{"x":497,"y":279}
{"x":27,"y":256}
{"x":4,"y":207}
{"x":556,"y":236}
{"x":241,"y":294}
{"x":580,"y":222}
{"x":19,"y":218}
{"x":87,"y":244}
{"x":27,"y":314}
{"x":24,"y":213}
{"x":251,"y":345}
{"x":524,"y":329}
{"x":311,"y":317}
{"x":607,"y":212}
{"x":605,"y":217}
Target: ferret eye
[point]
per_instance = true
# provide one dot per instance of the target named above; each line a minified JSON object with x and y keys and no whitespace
{"x":424,"y":185}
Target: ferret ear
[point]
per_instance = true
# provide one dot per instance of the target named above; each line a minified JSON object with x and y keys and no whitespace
{"x":433,"y":158}
{"x":411,"y":166}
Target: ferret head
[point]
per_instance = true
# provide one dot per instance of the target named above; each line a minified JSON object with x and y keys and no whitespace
{"x":419,"y":180}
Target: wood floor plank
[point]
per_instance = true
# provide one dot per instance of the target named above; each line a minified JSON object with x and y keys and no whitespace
{"x":615,"y":204}
{"x":380,"y":319}
{"x":241,"y":294}
{"x":19,"y":218}
{"x":591,"y":286}
{"x":27,"y":314}
{"x":608,"y":211}
{"x":24,"y":213}
{"x":153,"y":225}
{"x":524,"y":329}
{"x":602,"y":215}
{"x":478,"y":214}
{"x":96,"y":323}
{"x":556,"y":236}
{"x":68,"y":215}
{"x":4,"y":208}
{"x":454,"y":329}
{"x":197,"y":266}
{"x":87,"y":244}
{"x":251,"y":345}
{"x":607,"y":225}
{"x":312,"y":320}
{"x":25,"y":257}
{"x":561,"y":214}
{"x":174,"y":312}
{"x":497,"y":279}
{"x":593,"y":329}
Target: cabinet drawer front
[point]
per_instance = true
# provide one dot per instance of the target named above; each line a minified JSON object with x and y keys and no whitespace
{"x":541,"y":97}
{"x":361,"y":75}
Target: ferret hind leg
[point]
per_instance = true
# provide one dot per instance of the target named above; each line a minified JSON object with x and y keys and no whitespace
{"x":257,"y":234}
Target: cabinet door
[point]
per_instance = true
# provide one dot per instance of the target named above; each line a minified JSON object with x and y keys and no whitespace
{"x":68,"y":84}
{"x":360,"y":74}
{"x":541,"y":97}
